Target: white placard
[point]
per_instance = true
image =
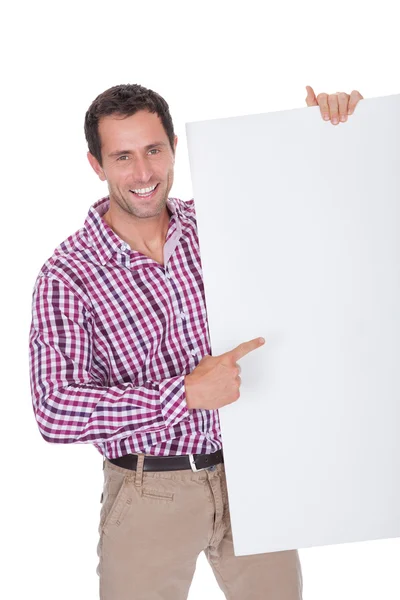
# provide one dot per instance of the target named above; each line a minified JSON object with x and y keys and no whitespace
{"x":299,"y":226}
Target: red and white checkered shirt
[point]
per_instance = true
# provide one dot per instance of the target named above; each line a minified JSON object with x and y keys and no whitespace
{"x":113,"y":334}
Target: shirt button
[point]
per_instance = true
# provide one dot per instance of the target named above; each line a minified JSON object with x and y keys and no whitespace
{"x":182,"y":315}
{"x":193,"y":352}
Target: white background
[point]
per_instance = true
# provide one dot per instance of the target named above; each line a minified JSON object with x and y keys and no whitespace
{"x":209,"y":60}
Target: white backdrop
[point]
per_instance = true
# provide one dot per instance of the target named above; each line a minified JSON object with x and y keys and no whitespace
{"x":306,"y":253}
{"x":208,"y":60}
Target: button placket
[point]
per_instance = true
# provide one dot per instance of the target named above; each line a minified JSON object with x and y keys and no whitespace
{"x":181,"y":317}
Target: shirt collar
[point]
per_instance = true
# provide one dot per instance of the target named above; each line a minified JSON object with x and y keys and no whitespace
{"x":104,"y":240}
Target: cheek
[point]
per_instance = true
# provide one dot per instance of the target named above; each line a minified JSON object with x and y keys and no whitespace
{"x":118,"y":174}
{"x":121,"y":179}
{"x":165,"y":169}
{"x":170,"y":173}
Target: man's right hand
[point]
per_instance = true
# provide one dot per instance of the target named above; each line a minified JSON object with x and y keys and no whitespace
{"x":215,"y":381}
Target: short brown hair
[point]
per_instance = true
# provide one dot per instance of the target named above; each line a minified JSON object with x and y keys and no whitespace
{"x":126,"y":100}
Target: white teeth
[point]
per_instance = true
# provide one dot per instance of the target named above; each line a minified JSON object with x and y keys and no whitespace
{"x":145,"y":190}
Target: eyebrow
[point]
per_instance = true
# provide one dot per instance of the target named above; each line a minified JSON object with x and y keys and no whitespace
{"x":148,"y":147}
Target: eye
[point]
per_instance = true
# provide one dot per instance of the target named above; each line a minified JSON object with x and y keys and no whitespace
{"x":154,"y":150}
{"x":122,"y":157}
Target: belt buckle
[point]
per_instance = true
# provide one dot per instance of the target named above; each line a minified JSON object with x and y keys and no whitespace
{"x":193,"y":465}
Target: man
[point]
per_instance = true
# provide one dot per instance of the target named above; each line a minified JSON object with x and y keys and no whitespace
{"x":120,"y":357}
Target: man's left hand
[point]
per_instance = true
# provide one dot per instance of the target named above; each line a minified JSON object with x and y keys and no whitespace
{"x":334,"y":107}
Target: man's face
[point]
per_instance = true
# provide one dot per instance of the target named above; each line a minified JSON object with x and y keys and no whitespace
{"x":137,"y":157}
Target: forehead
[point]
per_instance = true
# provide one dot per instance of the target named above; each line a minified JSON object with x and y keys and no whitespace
{"x":138,"y":130}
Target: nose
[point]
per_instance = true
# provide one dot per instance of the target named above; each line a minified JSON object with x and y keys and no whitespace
{"x":142,"y":170}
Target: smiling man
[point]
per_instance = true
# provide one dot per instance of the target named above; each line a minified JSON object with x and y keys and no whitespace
{"x":137,"y":161}
{"x":120,"y":357}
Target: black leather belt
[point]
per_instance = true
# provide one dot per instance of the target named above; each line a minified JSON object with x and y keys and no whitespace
{"x":196,"y":462}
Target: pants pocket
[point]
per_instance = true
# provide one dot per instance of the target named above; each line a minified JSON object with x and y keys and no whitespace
{"x":157,"y":495}
{"x":116,"y":500}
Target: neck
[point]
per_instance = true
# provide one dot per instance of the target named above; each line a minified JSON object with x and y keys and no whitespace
{"x":145,"y":235}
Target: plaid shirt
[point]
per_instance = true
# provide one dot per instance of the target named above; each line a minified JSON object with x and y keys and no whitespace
{"x":113,"y":334}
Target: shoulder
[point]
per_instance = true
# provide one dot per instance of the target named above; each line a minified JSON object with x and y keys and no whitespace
{"x":66,"y":264}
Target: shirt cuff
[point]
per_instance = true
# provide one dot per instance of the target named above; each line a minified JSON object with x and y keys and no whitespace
{"x":173,"y":400}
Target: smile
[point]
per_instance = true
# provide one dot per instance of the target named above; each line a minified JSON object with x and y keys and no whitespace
{"x":144,"y":192}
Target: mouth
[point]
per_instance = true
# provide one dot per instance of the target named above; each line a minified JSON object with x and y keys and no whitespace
{"x":145,"y":192}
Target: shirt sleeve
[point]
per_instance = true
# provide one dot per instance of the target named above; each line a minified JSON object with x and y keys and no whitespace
{"x":69,"y":405}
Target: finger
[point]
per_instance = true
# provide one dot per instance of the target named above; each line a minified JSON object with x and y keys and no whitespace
{"x":239,"y":381}
{"x":243,"y":349}
{"x":311,"y":99}
{"x":333,"y":108}
{"x":355,"y":98}
{"x":322,"y":100}
{"x":343,"y":101}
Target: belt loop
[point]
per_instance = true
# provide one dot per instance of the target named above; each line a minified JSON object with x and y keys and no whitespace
{"x":104,"y":455}
{"x":139,"y":471}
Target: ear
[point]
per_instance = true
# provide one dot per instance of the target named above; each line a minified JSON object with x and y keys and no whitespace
{"x":97,"y":168}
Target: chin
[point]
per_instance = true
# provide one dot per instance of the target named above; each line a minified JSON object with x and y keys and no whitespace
{"x":149,"y":212}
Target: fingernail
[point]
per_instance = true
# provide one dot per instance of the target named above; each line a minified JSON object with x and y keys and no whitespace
{"x":335,"y":121}
{"x":261,"y":340}
{"x":343,"y":118}
{"x":326,"y":117}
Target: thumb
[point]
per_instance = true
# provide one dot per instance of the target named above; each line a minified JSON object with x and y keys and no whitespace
{"x":311,"y":100}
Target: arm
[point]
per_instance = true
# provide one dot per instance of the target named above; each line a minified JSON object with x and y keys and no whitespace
{"x":69,"y":405}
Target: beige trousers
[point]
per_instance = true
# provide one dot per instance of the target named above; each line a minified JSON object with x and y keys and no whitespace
{"x":153,"y":526}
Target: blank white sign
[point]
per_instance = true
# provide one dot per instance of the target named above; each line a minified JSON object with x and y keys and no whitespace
{"x":299,"y":226}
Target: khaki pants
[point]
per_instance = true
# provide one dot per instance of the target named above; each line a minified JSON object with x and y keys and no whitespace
{"x":153,"y":526}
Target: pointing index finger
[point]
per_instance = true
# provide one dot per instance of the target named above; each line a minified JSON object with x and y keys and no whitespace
{"x":244,"y":348}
